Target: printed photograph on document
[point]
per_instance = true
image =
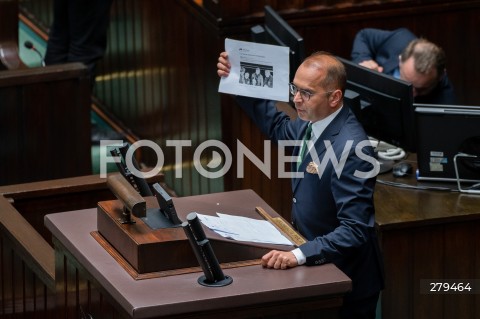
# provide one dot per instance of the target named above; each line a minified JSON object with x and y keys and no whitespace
{"x":256,"y":74}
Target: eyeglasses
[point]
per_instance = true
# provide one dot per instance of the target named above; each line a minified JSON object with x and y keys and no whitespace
{"x":304,"y":94}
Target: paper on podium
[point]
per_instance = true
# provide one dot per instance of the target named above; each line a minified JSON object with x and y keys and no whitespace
{"x":257,"y":70}
{"x":244,"y":229}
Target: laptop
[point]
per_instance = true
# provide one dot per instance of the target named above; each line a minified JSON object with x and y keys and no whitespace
{"x":448,"y":143}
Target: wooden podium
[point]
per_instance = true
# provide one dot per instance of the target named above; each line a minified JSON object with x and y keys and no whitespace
{"x":147,"y":252}
{"x":90,"y":282}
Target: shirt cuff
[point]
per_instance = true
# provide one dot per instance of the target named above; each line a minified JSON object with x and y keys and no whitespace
{"x":301,"y":258}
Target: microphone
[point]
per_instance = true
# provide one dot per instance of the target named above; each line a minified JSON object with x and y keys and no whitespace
{"x":29,"y":45}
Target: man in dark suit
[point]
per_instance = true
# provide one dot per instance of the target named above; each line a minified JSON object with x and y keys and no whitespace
{"x":332,"y":200}
{"x":401,"y":54}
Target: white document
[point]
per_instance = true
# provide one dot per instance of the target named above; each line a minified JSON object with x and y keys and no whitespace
{"x":257,"y":70}
{"x":244,"y":229}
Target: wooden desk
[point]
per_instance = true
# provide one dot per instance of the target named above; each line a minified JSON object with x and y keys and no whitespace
{"x":90,"y":280}
{"x":427,"y":234}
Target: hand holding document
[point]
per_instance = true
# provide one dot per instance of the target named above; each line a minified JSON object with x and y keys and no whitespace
{"x":244,"y":229}
{"x":257,"y":70}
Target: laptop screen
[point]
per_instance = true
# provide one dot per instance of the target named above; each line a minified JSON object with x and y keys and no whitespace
{"x":443,"y":131}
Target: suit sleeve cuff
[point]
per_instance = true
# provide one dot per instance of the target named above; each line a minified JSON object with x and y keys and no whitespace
{"x":301,"y":258}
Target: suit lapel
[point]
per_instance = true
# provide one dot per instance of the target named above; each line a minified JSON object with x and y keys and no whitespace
{"x":330,"y":132}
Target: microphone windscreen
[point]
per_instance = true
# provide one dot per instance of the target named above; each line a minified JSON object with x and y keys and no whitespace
{"x":28,"y":45}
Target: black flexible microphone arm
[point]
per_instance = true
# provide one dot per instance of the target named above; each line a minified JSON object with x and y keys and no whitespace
{"x":29,"y":45}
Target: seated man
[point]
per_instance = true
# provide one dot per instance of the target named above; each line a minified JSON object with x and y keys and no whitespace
{"x":401,"y":54}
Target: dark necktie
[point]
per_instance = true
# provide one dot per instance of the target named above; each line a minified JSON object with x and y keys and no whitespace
{"x":304,"y":148}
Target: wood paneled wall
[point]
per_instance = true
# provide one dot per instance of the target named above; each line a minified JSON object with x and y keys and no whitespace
{"x":157,"y":78}
{"x":77,"y":293}
{"x":159,"y":74}
{"x":430,"y":253}
{"x":23,"y":294}
{"x":9,"y":20}
{"x":45,"y":129}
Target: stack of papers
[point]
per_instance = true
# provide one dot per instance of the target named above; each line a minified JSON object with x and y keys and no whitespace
{"x":244,"y":229}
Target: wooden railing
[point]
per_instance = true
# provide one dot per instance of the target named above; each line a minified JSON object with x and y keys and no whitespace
{"x":27,"y":273}
{"x":27,"y":262}
{"x":9,"y":55}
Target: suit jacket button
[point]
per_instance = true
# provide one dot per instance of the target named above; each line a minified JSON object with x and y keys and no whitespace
{"x":294,"y":200}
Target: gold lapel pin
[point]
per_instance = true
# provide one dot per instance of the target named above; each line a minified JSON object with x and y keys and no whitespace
{"x":312,"y":168}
